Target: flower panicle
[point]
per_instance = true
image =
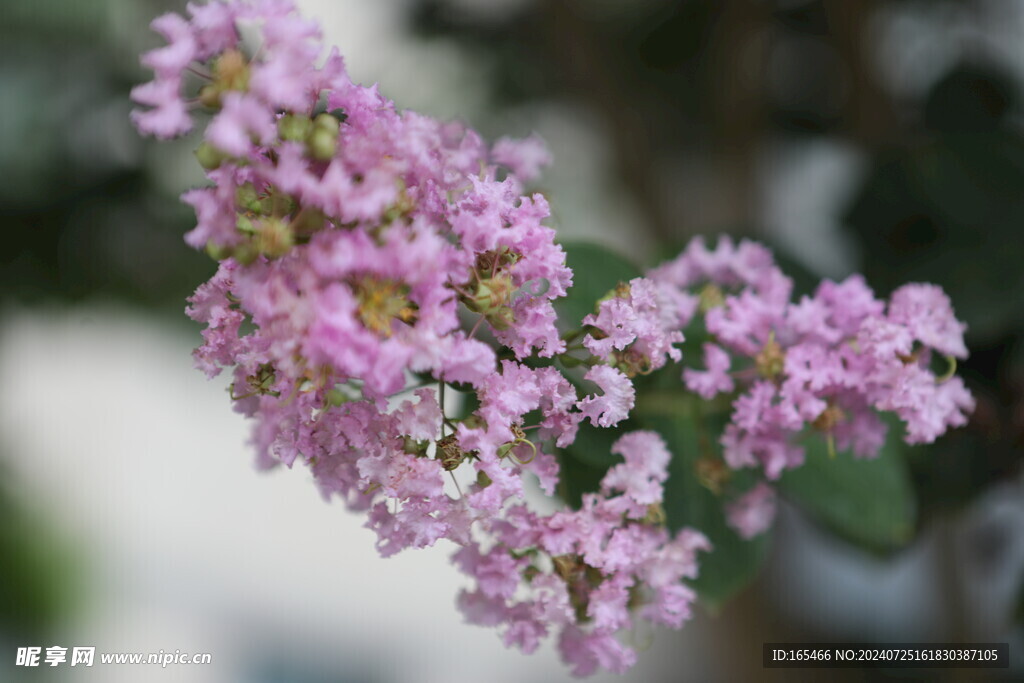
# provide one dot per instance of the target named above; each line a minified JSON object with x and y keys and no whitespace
{"x":369,"y":259}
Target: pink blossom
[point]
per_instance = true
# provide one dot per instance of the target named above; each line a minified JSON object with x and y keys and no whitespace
{"x":927,"y":313}
{"x":241,"y":122}
{"x":616,"y":400}
{"x":211,"y":305}
{"x":608,"y":606}
{"x":753,"y":512}
{"x":641,"y":319}
{"x":586,"y":653}
{"x":645,"y":469}
{"x":715,"y":379}
{"x":525,"y":157}
{"x":169,"y":61}
{"x":168,"y":116}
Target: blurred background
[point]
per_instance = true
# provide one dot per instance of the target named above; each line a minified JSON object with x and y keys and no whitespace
{"x":880,"y":136}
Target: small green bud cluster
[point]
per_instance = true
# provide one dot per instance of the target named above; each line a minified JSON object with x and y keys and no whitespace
{"x":631,"y":362}
{"x":272,"y":222}
{"x":491,"y":288}
{"x":449,"y":453}
{"x":260,"y":383}
{"x":319,"y":133}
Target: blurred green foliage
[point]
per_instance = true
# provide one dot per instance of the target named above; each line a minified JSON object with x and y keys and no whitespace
{"x":39,"y":574}
{"x":868,"y":502}
{"x":86,"y":207}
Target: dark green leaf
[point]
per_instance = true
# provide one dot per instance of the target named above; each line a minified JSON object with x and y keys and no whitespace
{"x":869,"y":502}
{"x":577,"y":477}
{"x":596,"y":271}
{"x":593,"y":446}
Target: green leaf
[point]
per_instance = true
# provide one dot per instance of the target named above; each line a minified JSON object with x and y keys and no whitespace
{"x":731,"y":565}
{"x":596,"y":271}
{"x":593,"y":446}
{"x":868,"y":502}
{"x":577,"y":477}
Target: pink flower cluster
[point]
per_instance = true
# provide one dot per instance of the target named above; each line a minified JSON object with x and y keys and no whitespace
{"x":362,"y":250}
{"x":370,"y":258}
{"x":587,"y":572}
{"x":828,"y":363}
{"x":636,"y":326}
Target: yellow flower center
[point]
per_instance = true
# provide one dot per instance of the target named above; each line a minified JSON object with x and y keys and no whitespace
{"x":771,"y":361}
{"x":381,"y":302}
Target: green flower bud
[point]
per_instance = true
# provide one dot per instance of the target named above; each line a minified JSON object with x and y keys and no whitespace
{"x":501,"y":319}
{"x":711,"y":296}
{"x":328,"y":123}
{"x":771,"y":360}
{"x":294,"y":127}
{"x":209,"y":96}
{"x":335,"y":397}
{"x":566,"y":566}
{"x":450,"y":453}
{"x":712,"y":473}
{"x":322,"y":143}
{"x":273,"y":237}
{"x":632,"y":362}
{"x":247,"y":198}
{"x":829,"y":418}
{"x":245,"y":224}
{"x":245,"y":253}
{"x":655,"y":515}
{"x":231,"y":71}
{"x":491,"y":295}
{"x":217,"y":252}
{"x":209,"y":157}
